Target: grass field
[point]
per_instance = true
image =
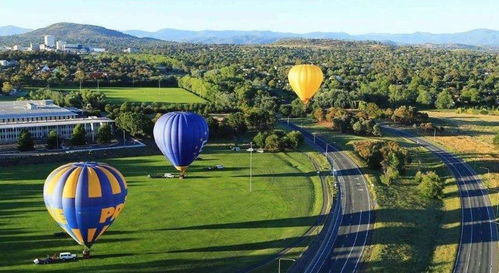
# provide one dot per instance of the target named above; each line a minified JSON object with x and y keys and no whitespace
{"x":411,"y":234}
{"x":209,"y":222}
{"x":119,"y":95}
{"x":470,"y":137}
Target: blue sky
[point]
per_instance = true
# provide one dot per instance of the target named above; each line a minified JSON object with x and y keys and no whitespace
{"x":352,"y":16}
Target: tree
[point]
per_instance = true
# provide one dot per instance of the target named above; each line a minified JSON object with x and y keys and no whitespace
{"x":259,"y":139}
{"x":444,"y":100}
{"x":104,"y":134}
{"x":237,"y":122}
{"x":80,"y":76}
{"x":25,"y":141}
{"x":319,"y":114}
{"x":212,"y":126}
{"x":376,"y":130}
{"x":137,"y":124}
{"x":285,"y":110}
{"x":79,"y":135}
{"x":260,"y":120}
{"x":52,"y":140}
{"x":295,"y":139}
{"x":7,"y":87}
{"x":273,"y":143}
{"x":430,"y":185}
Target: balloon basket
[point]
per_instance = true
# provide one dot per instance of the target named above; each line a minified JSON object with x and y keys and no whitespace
{"x":86,"y":253}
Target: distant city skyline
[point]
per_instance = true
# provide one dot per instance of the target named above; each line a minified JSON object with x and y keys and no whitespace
{"x":298,"y":16}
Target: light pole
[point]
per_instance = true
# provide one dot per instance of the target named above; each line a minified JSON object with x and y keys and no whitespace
{"x":314,"y":135}
{"x":251,"y":165}
{"x":284,"y":259}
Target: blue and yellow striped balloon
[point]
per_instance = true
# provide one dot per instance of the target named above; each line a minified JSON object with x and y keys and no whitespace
{"x":85,"y":198}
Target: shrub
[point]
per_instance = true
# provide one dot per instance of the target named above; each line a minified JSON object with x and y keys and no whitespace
{"x":431,"y":186}
{"x":389,"y":176}
{"x":495,"y":140}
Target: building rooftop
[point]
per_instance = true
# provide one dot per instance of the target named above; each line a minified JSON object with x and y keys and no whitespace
{"x":55,"y":122}
{"x":32,"y":108}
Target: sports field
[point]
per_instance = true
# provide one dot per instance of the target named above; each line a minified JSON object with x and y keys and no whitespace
{"x":209,"y":222}
{"x":147,"y":94}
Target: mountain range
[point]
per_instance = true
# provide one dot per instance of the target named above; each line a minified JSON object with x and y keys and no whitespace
{"x":96,"y":35}
{"x":477,"y":37}
{"x":89,"y":35}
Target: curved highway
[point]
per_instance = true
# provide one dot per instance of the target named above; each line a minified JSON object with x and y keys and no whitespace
{"x":345,"y":236}
{"x":478,"y":242}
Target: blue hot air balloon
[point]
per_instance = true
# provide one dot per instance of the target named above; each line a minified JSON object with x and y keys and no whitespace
{"x":85,"y":198}
{"x":181,"y":136}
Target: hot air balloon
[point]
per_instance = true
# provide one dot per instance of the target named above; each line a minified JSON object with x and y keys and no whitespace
{"x":85,"y":198}
{"x":305,"y":80}
{"x":181,"y":136}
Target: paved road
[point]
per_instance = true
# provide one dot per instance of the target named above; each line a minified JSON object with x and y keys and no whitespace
{"x":478,"y":244}
{"x":342,"y":251}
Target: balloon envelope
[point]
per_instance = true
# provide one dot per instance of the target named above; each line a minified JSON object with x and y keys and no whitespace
{"x":181,"y":136}
{"x":305,"y":80}
{"x":85,"y":198}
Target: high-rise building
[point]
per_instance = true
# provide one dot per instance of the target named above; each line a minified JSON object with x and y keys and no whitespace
{"x":60,"y":45}
{"x":49,"y":40}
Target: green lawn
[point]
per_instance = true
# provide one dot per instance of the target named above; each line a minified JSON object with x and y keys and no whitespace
{"x":411,"y":234}
{"x":119,"y":95}
{"x":209,"y":222}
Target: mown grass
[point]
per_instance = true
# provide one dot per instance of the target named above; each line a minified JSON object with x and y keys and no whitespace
{"x":411,"y":234}
{"x":209,"y":222}
{"x":119,"y":95}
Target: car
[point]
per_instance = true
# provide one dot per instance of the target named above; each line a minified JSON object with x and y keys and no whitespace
{"x":47,"y":260}
{"x":169,"y":175}
{"x":66,"y":256}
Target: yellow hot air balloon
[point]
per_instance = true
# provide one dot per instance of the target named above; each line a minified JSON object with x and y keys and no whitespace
{"x":305,"y":79}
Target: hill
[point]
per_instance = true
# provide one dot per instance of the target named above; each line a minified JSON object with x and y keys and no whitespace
{"x":12,"y":30}
{"x":89,"y":35}
{"x":477,"y":37}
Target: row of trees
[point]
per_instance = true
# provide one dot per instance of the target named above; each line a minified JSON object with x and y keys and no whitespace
{"x":89,"y":99}
{"x":278,"y":140}
{"x":104,"y":135}
{"x":345,"y":121}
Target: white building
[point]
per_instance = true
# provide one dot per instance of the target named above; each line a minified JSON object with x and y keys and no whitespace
{"x":19,"y":47}
{"x":39,"y":117}
{"x":60,"y":45}
{"x":130,"y":50}
{"x":49,"y":40}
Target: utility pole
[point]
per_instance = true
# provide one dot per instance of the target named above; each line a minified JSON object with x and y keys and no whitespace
{"x":251,"y":166}
{"x":123,"y":137}
{"x":434,"y":133}
{"x":314,"y":136}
